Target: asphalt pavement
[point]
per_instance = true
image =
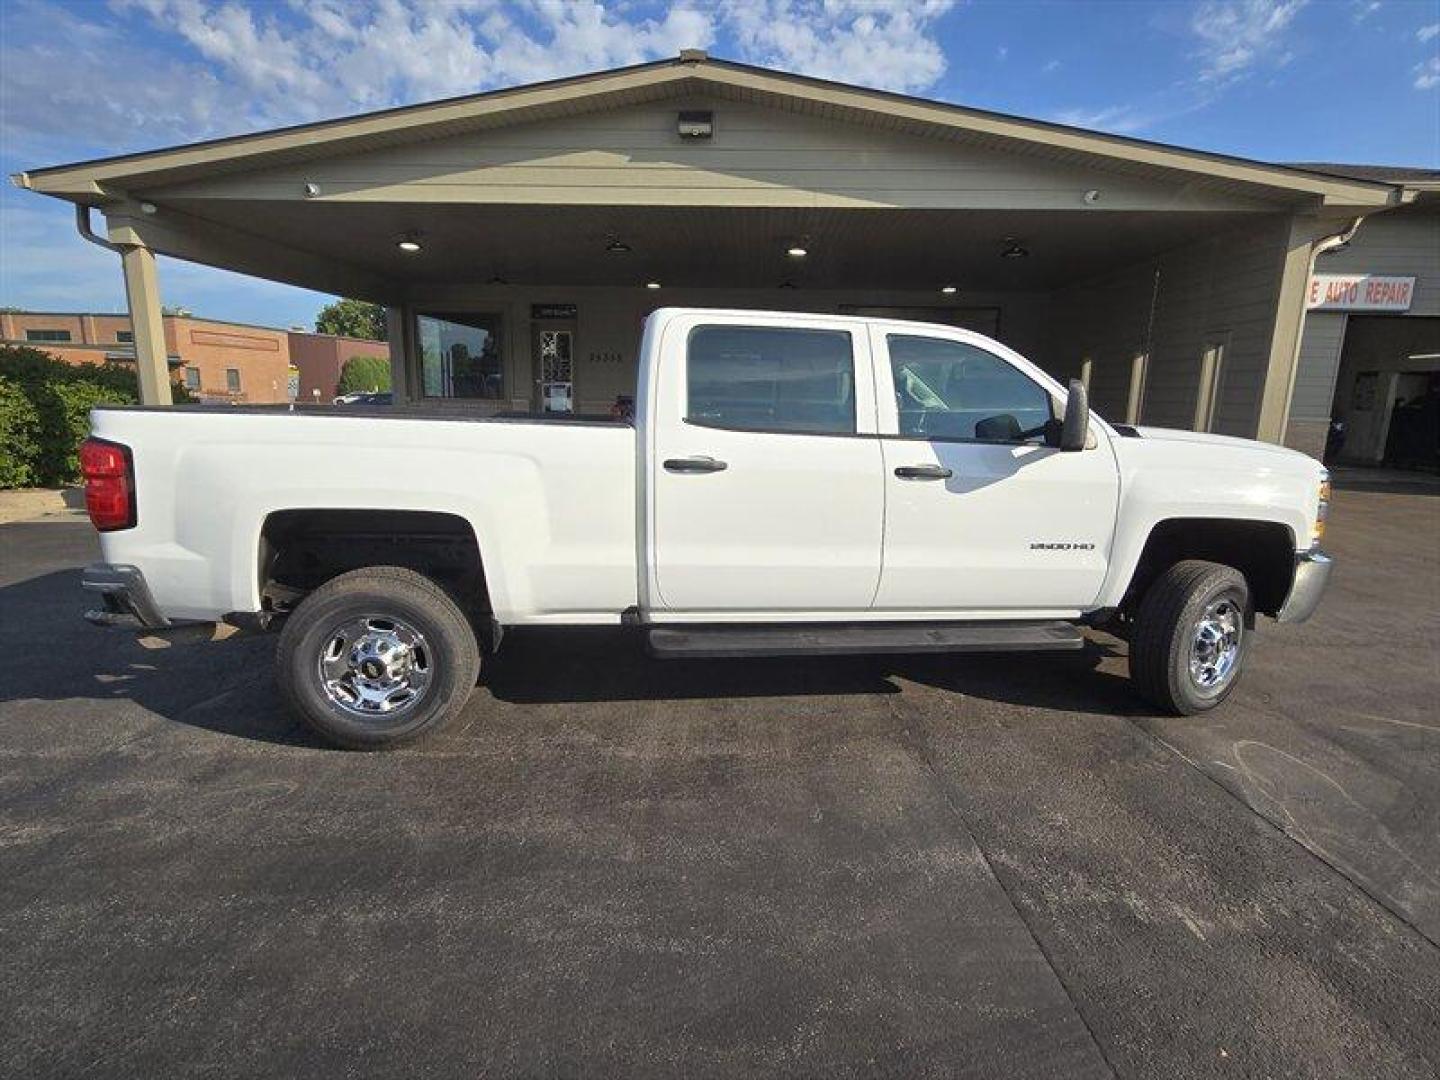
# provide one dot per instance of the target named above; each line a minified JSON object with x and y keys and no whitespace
{"x":987,"y":866}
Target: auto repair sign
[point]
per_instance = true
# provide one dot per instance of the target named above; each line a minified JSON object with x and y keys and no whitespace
{"x":1359,"y":292}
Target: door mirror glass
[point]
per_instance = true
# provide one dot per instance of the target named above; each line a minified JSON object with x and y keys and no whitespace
{"x":1076,"y":428}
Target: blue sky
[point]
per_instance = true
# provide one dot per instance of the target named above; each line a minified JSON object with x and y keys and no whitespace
{"x":1282,"y":80}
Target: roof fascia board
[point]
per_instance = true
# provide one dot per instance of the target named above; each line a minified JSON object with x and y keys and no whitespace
{"x":87,"y":181}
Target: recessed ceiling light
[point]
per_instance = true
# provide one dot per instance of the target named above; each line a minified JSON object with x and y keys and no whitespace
{"x":617,"y":247}
{"x":652,"y":284}
{"x":1013,"y":250}
{"x":795,"y":251}
{"x":409,"y":245}
{"x":948,"y":290}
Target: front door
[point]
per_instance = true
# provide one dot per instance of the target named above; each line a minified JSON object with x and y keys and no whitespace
{"x":765,"y":485}
{"x":554,"y":365}
{"x":982,"y":516}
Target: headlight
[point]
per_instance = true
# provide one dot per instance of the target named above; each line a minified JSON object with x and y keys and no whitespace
{"x":1323,"y":510}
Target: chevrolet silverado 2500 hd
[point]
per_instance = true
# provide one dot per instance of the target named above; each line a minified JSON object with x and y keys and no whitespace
{"x":791,"y":484}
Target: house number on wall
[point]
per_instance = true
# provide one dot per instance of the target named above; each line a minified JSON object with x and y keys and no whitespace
{"x":604,"y":358}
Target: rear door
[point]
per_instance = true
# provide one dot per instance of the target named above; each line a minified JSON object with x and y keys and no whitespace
{"x":766,"y":492}
{"x":982,"y":516}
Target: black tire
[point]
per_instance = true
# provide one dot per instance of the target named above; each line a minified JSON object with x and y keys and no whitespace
{"x":378,"y":607}
{"x":1166,"y":626}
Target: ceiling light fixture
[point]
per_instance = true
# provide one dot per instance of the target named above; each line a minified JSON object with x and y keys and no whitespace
{"x":1013,"y":250}
{"x":948,"y":290}
{"x":616,"y":246}
{"x":795,"y":251}
{"x":409,"y":243}
{"x":652,"y":284}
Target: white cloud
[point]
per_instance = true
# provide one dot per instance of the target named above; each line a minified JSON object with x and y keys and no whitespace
{"x":1116,"y":119}
{"x":1363,"y":9}
{"x":1428,"y":33}
{"x":1236,"y":35}
{"x":877,"y":43}
{"x":325,"y":57}
{"x":1427,"y":74}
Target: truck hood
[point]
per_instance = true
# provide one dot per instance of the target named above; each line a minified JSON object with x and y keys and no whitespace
{"x":1229,"y":441}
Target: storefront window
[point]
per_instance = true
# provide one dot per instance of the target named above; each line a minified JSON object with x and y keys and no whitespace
{"x":460,"y":355}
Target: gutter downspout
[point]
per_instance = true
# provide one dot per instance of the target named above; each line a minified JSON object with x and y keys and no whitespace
{"x":83,"y":227}
{"x":1323,"y":246}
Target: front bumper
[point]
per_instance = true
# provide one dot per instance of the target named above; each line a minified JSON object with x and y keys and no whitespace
{"x":1312,"y":574}
{"x":125,"y":597}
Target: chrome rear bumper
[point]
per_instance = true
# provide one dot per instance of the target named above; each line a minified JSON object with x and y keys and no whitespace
{"x":126,"y":597}
{"x":1312,"y":574}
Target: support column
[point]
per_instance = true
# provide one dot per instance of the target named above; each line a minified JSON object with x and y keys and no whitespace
{"x":142,"y":295}
{"x":1284,"y":362}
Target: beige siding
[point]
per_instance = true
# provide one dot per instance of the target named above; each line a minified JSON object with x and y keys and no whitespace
{"x":1319,"y":364}
{"x":1405,"y":242}
{"x":1223,"y":288}
{"x":757,"y":157}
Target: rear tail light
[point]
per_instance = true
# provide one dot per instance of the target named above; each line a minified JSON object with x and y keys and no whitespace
{"x":109,"y":484}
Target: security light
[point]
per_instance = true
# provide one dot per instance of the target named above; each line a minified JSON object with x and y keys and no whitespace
{"x":311,"y":190}
{"x":1091,"y":197}
{"x":696,"y":124}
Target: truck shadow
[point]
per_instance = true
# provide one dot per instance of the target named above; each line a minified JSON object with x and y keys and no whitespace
{"x":228,"y":687}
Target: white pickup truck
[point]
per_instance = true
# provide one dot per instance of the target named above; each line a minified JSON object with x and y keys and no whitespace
{"x":792,"y":484}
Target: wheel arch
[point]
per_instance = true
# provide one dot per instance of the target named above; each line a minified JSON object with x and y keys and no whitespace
{"x":1263,"y":551}
{"x":301,"y":548}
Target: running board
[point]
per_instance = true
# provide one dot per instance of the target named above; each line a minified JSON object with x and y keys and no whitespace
{"x":811,"y":639}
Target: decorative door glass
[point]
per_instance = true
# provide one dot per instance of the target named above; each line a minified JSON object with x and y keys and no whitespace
{"x":557,"y":371}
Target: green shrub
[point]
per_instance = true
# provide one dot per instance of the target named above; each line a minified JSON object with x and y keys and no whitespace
{"x":364,"y":373}
{"x":19,"y":436}
{"x":44,"y":412}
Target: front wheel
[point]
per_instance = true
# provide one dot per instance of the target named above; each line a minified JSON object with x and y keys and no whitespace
{"x":377,"y":658}
{"x":1191,"y":635}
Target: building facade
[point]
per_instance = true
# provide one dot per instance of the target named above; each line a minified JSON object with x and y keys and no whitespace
{"x":519,"y":238}
{"x":215,"y":361}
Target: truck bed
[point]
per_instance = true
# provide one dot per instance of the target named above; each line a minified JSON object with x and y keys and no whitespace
{"x":553,"y":500}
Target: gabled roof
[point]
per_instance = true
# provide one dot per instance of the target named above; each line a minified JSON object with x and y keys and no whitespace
{"x":693,"y":72}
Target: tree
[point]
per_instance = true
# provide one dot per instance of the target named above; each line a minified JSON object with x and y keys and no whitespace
{"x":352,"y":318}
{"x":361,"y":374}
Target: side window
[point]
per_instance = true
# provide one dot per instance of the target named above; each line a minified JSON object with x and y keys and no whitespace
{"x":754,"y":378}
{"x":951,"y":390}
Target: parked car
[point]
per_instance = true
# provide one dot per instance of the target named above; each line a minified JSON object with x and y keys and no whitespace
{"x":367,"y":397}
{"x":791,"y":485}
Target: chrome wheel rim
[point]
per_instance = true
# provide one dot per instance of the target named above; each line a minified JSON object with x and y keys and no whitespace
{"x":1215,"y":645}
{"x":375,"y":667}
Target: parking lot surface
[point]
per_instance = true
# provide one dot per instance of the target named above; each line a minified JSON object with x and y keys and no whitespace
{"x":616,"y":866}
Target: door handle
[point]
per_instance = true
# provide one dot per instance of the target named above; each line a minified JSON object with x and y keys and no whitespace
{"x":924,"y":472}
{"x":699,"y":463}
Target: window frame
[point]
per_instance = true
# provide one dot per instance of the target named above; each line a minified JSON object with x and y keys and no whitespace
{"x":191,"y":369}
{"x":856,"y":375}
{"x":444,"y":313}
{"x":233,"y":386}
{"x":889,"y":415}
{"x":48,"y":335}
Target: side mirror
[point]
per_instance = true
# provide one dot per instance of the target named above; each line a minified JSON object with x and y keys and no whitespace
{"x":1076,"y":427}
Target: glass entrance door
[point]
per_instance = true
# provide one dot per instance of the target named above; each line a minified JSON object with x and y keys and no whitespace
{"x":554,"y":351}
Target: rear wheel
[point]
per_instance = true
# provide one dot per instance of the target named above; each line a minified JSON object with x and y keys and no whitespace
{"x":377,"y":658}
{"x":1191,"y":636}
